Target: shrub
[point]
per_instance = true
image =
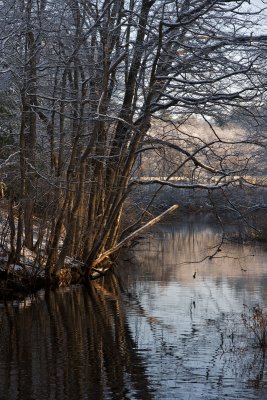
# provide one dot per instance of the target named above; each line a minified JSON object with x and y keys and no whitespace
{"x":255,"y":320}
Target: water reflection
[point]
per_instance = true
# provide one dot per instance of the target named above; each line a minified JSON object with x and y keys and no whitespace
{"x":73,"y":344}
{"x":199,"y":348}
{"x":176,"y":331}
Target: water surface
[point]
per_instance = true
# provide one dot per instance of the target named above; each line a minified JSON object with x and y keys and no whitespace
{"x":169,"y":328}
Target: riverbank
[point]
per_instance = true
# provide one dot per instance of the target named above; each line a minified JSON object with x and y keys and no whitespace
{"x":240,"y":214}
{"x":18,"y":281}
{"x":32,"y":272}
{"x":244,"y":206}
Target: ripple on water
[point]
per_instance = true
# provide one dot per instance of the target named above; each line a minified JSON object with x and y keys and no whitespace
{"x":178,"y":333}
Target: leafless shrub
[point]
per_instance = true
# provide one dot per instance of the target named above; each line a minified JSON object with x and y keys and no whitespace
{"x":255,"y":321}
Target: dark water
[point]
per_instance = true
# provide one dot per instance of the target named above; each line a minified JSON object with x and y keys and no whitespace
{"x":168,"y":335}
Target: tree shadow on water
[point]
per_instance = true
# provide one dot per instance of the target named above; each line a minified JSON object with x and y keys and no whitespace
{"x":72,"y":344}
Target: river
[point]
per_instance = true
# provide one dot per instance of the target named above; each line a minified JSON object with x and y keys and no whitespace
{"x":166,"y":325}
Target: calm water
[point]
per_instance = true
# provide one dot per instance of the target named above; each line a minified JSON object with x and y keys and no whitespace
{"x":155,"y":333}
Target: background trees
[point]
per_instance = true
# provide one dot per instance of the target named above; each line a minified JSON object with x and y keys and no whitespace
{"x":86,"y":79}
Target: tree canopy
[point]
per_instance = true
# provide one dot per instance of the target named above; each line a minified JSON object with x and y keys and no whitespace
{"x":85,"y":79}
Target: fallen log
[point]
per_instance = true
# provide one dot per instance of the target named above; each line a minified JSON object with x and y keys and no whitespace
{"x":132,"y":235}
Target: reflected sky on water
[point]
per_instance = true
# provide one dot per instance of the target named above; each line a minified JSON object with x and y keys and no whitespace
{"x":169,"y":328}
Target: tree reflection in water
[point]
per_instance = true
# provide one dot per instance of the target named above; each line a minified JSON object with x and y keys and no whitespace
{"x":72,"y":344}
{"x":189,"y":338}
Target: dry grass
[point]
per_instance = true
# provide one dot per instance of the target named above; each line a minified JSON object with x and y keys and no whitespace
{"x":255,"y":320}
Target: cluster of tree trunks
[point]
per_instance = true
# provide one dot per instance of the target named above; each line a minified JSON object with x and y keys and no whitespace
{"x":86,"y":79}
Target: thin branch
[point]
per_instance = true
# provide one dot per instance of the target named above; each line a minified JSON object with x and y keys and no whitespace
{"x":132,"y":235}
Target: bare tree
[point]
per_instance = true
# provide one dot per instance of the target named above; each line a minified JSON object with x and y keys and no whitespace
{"x":89,"y":77}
